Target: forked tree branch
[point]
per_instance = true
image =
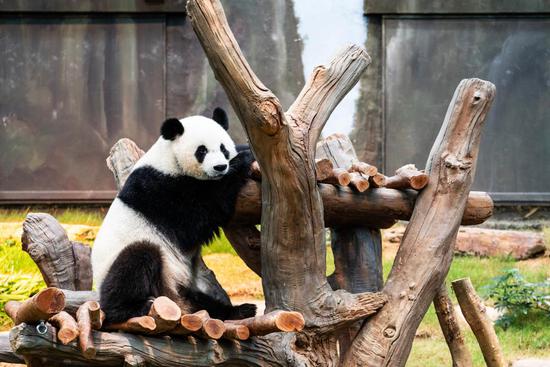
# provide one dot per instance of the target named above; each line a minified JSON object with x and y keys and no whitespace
{"x":292,"y":237}
{"x":257,"y":107}
{"x":426,"y":251}
{"x":325,"y":89}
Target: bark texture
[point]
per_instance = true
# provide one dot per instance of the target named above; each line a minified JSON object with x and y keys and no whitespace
{"x":113,"y":348}
{"x":63,"y":264}
{"x":474,"y":310}
{"x":451,"y":328}
{"x":425,"y":255}
{"x":292,"y":223}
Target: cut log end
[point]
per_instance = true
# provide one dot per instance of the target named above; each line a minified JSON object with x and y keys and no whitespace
{"x":67,"y":327}
{"x":166,"y":313}
{"x":136,"y":325}
{"x":191,"y":322}
{"x":419,"y":181}
{"x":275,"y":321}
{"x":212,"y":329}
{"x":290,"y":321}
{"x":359,"y":182}
{"x":238,"y":332}
{"x":39,"y":307}
{"x":50,"y":300}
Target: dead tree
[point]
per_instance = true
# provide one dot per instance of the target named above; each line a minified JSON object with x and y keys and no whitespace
{"x":293,"y":212}
{"x":292,"y":251}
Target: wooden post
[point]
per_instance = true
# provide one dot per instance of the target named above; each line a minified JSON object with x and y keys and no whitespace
{"x":386,"y":338}
{"x":451,"y":329}
{"x":473,"y":310}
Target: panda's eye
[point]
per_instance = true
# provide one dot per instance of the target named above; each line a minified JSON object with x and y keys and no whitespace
{"x":224,"y":151}
{"x":200,"y":153}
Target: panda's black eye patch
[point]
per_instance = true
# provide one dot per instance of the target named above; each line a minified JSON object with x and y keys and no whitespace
{"x":224,"y":151}
{"x":200,"y":153}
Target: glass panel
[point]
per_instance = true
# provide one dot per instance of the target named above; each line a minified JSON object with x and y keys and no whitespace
{"x":69,"y":88}
{"x":425,"y":61}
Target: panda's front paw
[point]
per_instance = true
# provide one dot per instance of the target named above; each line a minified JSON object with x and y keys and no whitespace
{"x":243,"y":311}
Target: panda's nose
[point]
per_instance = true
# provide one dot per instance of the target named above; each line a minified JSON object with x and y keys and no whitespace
{"x":220,"y":167}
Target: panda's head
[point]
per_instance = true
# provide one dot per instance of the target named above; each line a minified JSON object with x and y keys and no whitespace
{"x":201,"y":147}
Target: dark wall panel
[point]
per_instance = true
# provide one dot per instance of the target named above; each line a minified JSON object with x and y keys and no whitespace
{"x":424,"y":61}
{"x":70,"y":86}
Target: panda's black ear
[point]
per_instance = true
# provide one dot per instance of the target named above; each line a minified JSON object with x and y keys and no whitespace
{"x":171,"y":129}
{"x":220,"y":117}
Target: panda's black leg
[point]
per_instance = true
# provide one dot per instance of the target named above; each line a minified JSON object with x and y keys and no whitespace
{"x":215,"y":308}
{"x":132,"y":283}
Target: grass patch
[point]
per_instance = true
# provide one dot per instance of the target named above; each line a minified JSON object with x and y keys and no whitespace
{"x":92,"y":216}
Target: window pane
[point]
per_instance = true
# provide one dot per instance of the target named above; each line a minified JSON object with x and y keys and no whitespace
{"x":425,"y":61}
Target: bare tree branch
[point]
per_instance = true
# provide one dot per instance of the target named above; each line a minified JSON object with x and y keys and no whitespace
{"x":425,"y":254}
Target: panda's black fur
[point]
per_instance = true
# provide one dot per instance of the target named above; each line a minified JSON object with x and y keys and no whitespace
{"x":188,"y":212}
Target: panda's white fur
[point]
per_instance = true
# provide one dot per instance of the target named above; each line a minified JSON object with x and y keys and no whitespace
{"x":177,"y":157}
{"x":123,"y":226}
{"x":133,"y":221}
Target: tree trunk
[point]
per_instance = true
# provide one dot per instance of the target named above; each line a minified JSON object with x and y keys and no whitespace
{"x":451,"y":329}
{"x":473,"y":310}
{"x":425,"y":255}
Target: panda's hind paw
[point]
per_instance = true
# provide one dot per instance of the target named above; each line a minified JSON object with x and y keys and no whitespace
{"x":243,"y":311}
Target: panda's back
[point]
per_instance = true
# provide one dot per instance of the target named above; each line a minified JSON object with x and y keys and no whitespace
{"x":123,"y":227}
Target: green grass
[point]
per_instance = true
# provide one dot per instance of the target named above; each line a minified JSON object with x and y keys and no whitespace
{"x":19,"y":277}
{"x":92,"y":216}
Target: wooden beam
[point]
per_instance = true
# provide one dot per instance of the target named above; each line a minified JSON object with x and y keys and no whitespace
{"x":474,"y":312}
{"x":450,"y":327}
{"x":386,"y":338}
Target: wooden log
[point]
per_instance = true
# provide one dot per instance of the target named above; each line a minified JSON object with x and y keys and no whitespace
{"x":386,"y":338}
{"x":378,"y":180}
{"x":339,"y":177}
{"x":67,"y":328}
{"x":272,"y":322}
{"x":234,"y":331}
{"x":135,"y":325}
{"x":83,"y":266}
{"x":407,"y":177}
{"x":189,"y":324}
{"x":7,"y":355}
{"x":210,"y":328}
{"x":10,"y":308}
{"x":451,"y":329}
{"x":520,"y":245}
{"x":359,"y":182}
{"x":375,"y":208}
{"x":166,"y":314}
{"x":357,"y":268}
{"x":163,"y":352}
{"x":245,"y":239}
{"x":85,"y":337}
{"x":122,"y":157}
{"x":339,"y":150}
{"x":97,"y":316}
{"x":490,"y":242}
{"x":363,"y":168}
{"x":39,"y":307}
{"x":474,"y":312}
{"x":323,"y":168}
{"x":49,"y":247}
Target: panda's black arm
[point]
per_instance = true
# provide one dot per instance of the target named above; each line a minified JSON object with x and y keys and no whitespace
{"x":242,"y":147}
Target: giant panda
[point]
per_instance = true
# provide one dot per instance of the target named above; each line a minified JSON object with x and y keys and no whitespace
{"x":175,"y":199}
